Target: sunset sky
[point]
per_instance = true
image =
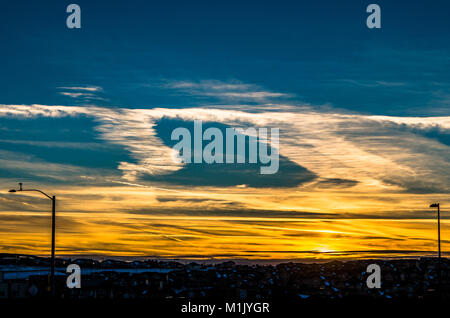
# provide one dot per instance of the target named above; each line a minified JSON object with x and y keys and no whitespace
{"x":364,"y":118}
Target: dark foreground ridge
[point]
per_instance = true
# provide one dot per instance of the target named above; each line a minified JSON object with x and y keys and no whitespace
{"x":23,"y":276}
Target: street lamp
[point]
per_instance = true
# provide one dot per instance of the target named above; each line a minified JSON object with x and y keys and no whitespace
{"x":53,"y":199}
{"x":436,"y":205}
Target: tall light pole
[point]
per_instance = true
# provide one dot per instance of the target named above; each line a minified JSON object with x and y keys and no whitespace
{"x":53,"y":199}
{"x":436,"y":205}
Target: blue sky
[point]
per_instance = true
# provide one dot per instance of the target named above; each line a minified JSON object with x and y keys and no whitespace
{"x":364,"y":119}
{"x":320,"y":53}
{"x":255,"y":57}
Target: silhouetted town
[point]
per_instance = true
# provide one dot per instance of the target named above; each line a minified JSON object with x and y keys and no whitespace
{"x":23,"y":276}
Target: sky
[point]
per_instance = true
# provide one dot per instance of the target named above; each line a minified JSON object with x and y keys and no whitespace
{"x":87,"y":114}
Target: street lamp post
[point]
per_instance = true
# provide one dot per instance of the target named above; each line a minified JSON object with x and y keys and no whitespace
{"x":436,"y":205}
{"x":52,"y":261}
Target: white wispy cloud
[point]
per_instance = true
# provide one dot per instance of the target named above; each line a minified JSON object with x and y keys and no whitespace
{"x":380,"y":152}
{"x":76,"y":95}
{"x":233,"y":90}
{"x":372,"y":83}
{"x":83,"y":92}
{"x":82,"y":88}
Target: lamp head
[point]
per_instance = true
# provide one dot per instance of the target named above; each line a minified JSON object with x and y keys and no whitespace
{"x":434,"y":205}
{"x":20,"y":189}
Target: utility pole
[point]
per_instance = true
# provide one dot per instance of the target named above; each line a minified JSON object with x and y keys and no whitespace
{"x":52,"y":272}
{"x":437,"y":205}
{"x":52,"y":260}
